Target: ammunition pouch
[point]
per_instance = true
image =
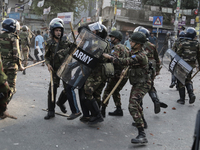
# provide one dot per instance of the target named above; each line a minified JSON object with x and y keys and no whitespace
{"x":108,"y":70}
{"x":137,"y":76}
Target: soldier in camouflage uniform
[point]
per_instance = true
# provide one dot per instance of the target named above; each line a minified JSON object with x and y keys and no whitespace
{"x":139,"y":79}
{"x":4,"y":90}
{"x":95,"y":83}
{"x":175,"y":48}
{"x":189,"y":51}
{"x":10,"y":53}
{"x":118,"y":51}
{"x":25,"y":44}
{"x":56,"y":51}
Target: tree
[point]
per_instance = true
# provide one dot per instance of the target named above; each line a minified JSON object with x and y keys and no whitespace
{"x":57,"y":6}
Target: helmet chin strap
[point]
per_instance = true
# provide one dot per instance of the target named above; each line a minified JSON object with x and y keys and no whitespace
{"x":134,"y":46}
{"x":113,"y":41}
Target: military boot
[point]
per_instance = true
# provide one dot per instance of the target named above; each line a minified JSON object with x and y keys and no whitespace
{"x":141,"y":138}
{"x":192,"y":97}
{"x":117,"y":112}
{"x":155,"y":100}
{"x":145,"y":123}
{"x":103,"y":110}
{"x":49,"y":115}
{"x":182,"y":96}
{"x":61,"y":100}
{"x":95,"y":112}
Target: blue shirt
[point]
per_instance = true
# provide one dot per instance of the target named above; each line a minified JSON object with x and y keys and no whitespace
{"x":152,"y":40}
{"x":40,"y":40}
{"x":127,"y":44}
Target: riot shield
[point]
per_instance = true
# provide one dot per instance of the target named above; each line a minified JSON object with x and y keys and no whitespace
{"x":85,"y":56}
{"x":176,"y":65}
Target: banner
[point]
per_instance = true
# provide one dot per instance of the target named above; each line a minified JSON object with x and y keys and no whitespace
{"x":30,"y":3}
{"x":47,"y":10}
{"x":40,"y":3}
{"x":66,"y":17}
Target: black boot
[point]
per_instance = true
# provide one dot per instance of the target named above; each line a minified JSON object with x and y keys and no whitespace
{"x":155,"y":100}
{"x":103,"y":110}
{"x":141,"y":138}
{"x":182,"y":96}
{"x":163,"y":105}
{"x":145,"y":123}
{"x":49,"y":115}
{"x":61,"y":100}
{"x":173,"y":83}
{"x":51,"y":105}
{"x":117,"y":112}
{"x":190,"y":93}
{"x":24,"y":71}
{"x":95,"y":112}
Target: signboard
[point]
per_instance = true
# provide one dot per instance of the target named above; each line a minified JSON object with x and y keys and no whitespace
{"x":157,"y":21}
{"x":192,"y":21}
{"x":66,"y":17}
{"x":14,"y":16}
{"x":150,"y":18}
{"x":118,"y":12}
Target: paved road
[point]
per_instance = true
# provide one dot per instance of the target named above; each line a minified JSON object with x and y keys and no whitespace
{"x":171,"y":129}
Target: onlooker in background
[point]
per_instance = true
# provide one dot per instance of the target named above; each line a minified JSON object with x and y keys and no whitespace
{"x":152,"y":39}
{"x":127,"y":44}
{"x":39,"y":41}
{"x":127,"y":36}
{"x":46,"y":36}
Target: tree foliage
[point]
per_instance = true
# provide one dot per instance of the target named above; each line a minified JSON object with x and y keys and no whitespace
{"x":58,"y":6}
{"x":185,"y":4}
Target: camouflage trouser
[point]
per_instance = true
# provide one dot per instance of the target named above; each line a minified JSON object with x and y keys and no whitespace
{"x":116,"y":95}
{"x":4,"y":94}
{"x":94,"y":86}
{"x":135,"y":100}
{"x":187,"y":81}
{"x":25,"y":53}
{"x":11,"y":72}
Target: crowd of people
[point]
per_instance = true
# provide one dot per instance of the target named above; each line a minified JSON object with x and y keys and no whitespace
{"x":139,"y":58}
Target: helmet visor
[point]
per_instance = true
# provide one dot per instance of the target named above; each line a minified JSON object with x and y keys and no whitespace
{"x":95,"y":26}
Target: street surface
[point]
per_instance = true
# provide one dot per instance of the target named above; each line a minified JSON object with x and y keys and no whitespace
{"x":171,"y":129}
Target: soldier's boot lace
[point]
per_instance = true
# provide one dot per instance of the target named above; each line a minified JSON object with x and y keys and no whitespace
{"x":145,"y":123}
{"x":49,"y":115}
{"x":156,"y":101}
{"x":141,"y":138}
{"x":192,"y":97}
{"x":182,"y":96}
{"x":117,"y":112}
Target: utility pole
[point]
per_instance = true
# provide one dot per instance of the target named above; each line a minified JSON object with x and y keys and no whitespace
{"x":3,"y":9}
{"x":176,"y":18}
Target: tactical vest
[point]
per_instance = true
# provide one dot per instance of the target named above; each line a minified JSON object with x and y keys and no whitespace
{"x":23,"y":37}
{"x":190,"y":49}
{"x":139,"y":74}
{"x":150,"y":54}
{"x":6,"y":48}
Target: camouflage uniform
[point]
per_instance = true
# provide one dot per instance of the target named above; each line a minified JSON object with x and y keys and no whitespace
{"x":4,"y":89}
{"x":189,"y":51}
{"x":25,"y":42}
{"x":118,"y":51}
{"x":55,"y":54}
{"x":140,"y":81}
{"x":9,"y":48}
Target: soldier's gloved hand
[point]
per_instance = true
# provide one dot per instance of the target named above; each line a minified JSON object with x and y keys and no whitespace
{"x":49,"y":67}
{"x":115,"y":60}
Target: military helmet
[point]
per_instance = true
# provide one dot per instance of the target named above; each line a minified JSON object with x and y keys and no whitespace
{"x":181,"y":35}
{"x":116,"y":34}
{"x":24,"y":28}
{"x":138,"y":37}
{"x":56,"y":23}
{"x":143,"y":30}
{"x":100,"y":29}
{"x":190,"y":33}
{"x":9,"y":25}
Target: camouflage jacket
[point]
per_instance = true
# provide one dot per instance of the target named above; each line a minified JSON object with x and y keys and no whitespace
{"x":152,"y":55}
{"x":138,"y":71}
{"x":119,"y":51}
{"x":24,"y":38}
{"x":189,"y":50}
{"x":55,"y":53}
{"x":9,"y":48}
